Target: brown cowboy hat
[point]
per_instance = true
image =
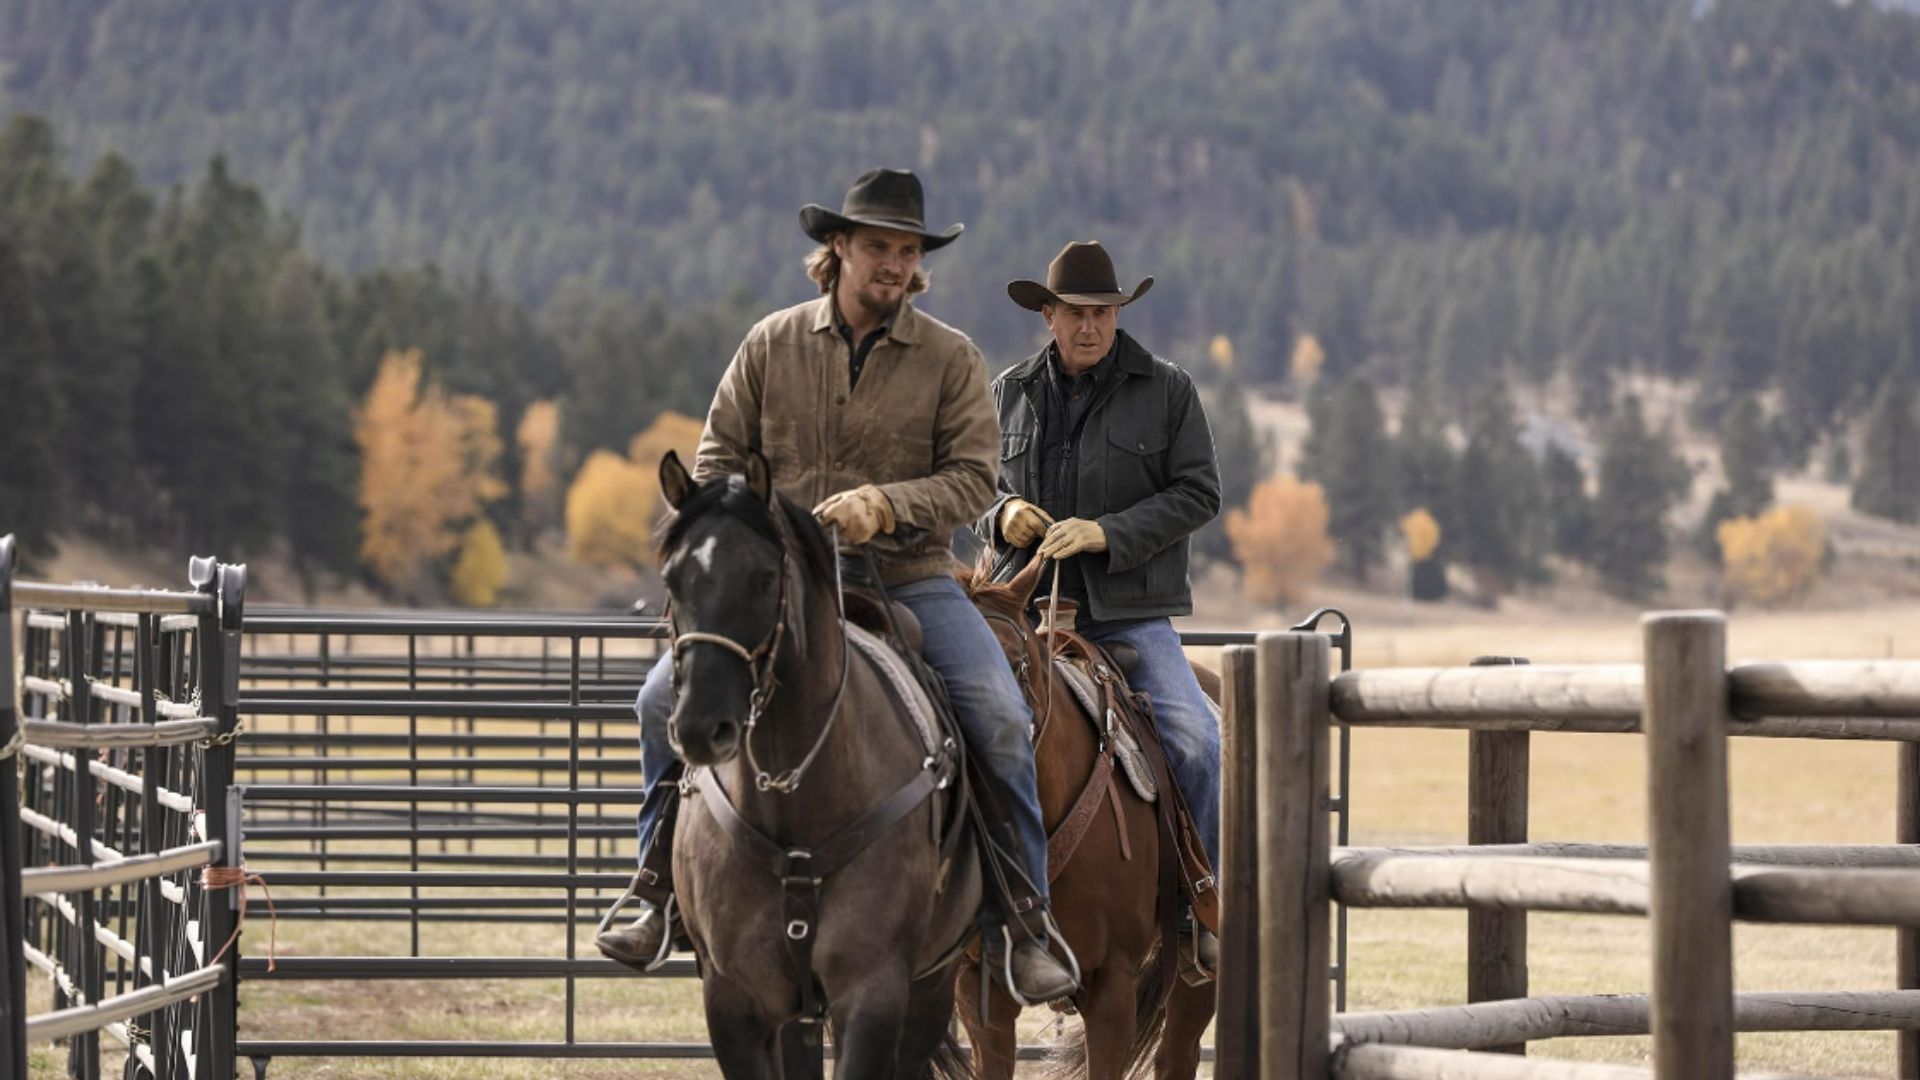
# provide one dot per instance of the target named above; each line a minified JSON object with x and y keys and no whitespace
{"x":1081,"y":274}
{"x":885,"y":199}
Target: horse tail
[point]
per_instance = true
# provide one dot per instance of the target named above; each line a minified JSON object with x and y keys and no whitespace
{"x":1067,"y":1055}
{"x":949,"y":1061}
{"x":1150,"y":995}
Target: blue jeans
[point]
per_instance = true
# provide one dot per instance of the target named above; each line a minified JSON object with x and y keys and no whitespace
{"x":986,"y":701}
{"x":1181,"y":712}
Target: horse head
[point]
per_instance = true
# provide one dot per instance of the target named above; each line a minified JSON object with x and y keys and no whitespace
{"x":1004,"y":605}
{"x":736,"y":602}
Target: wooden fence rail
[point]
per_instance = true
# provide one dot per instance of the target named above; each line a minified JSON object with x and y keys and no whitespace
{"x":1689,"y":880}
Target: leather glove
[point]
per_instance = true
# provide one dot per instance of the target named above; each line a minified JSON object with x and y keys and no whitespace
{"x":859,"y":513}
{"x":1023,"y":523}
{"x":1071,"y":537}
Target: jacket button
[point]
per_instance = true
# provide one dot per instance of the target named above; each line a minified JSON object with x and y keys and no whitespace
{"x":839,"y":465}
{"x":1140,"y":446}
{"x":841,"y":400}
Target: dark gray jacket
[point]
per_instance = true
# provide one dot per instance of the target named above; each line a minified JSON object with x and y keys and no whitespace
{"x":1147,"y":475}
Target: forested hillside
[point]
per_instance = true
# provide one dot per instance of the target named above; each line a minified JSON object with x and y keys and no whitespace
{"x":1434,"y":188}
{"x":234,"y":213}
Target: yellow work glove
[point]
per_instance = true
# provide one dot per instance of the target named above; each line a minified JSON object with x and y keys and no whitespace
{"x":1023,"y":523}
{"x":859,"y":513}
{"x":1071,"y":537}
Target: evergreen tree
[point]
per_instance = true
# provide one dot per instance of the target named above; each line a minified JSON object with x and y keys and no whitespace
{"x":1353,"y":461}
{"x":1888,"y":481}
{"x":1569,"y":509}
{"x":1246,"y":457}
{"x":1496,"y":501}
{"x":1642,"y":477}
{"x":28,"y":409}
{"x":1745,"y":460}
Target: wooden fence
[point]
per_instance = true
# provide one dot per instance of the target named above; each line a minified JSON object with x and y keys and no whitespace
{"x":1281,"y":703}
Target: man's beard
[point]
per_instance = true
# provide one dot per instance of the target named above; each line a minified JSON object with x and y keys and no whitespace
{"x":877,"y":304}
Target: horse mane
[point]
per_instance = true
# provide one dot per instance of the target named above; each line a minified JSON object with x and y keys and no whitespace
{"x":732,"y":496}
{"x":977,"y":580}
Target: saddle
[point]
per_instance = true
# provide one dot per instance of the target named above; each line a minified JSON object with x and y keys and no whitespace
{"x":883,"y":617}
{"x":1122,"y":719}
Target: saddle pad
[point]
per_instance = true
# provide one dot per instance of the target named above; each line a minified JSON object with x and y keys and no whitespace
{"x":1125,"y":746}
{"x":905,"y":686}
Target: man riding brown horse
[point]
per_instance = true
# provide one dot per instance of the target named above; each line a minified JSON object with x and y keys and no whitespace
{"x":1105,"y":455}
{"x":878,"y":416}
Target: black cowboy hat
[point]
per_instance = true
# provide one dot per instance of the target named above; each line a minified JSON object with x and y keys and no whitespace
{"x":1081,"y":274}
{"x":883,"y":198}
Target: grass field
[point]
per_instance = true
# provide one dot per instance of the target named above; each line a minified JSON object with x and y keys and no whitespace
{"x":1409,"y":788}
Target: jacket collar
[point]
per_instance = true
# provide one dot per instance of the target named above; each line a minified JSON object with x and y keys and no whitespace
{"x":1130,"y":357}
{"x":903,"y":328}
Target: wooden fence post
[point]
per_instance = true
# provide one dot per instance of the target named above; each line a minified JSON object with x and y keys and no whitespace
{"x":1291,"y":784}
{"x":1907,"y":941}
{"x":1687,"y":844}
{"x":1236,"y":1026}
{"x":1497,"y":785}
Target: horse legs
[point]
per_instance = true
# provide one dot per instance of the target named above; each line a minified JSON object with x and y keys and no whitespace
{"x":1189,"y":1011}
{"x":1106,"y":1007}
{"x":993,"y":1036}
{"x":929,"y":1012}
{"x":744,"y":1041}
{"x":869,"y":1023}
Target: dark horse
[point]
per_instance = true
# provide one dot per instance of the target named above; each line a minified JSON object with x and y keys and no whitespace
{"x":1107,"y":891}
{"x":808,"y":861}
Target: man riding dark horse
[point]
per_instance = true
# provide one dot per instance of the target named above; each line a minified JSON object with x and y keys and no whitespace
{"x":1105,"y":455}
{"x":878,"y":416}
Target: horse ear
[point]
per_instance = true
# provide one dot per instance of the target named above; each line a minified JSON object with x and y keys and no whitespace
{"x":760,"y":475}
{"x":675,"y":483}
{"x":1027,"y":580}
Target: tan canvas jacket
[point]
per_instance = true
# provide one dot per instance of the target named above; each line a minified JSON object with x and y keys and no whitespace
{"x":920,"y":425}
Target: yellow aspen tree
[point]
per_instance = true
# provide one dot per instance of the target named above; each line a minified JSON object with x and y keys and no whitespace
{"x":1422,"y":534}
{"x":1220,"y":351}
{"x":1773,"y":557}
{"x":481,"y":568}
{"x":1308,"y":359}
{"x":538,"y":438}
{"x":1281,"y":539}
{"x":610,"y":512}
{"x":426,"y":467}
{"x":669,"y":431}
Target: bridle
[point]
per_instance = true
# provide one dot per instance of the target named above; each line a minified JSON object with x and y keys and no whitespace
{"x":761,"y":661}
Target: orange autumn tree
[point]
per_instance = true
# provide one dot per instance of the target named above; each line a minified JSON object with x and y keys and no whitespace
{"x":1281,"y":539}
{"x":427,"y":464}
{"x":539,"y":440}
{"x":610,"y":511}
{"x":669,"y":431}
{"x":1773,"y":557}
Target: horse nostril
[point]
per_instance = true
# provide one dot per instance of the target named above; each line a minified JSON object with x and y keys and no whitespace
{"x":724,"y":734}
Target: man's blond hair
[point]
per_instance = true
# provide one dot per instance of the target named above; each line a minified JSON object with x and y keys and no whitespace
{"x":823,"y":266}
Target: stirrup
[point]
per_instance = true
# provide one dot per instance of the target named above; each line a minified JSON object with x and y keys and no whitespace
{"x":667,"y":913}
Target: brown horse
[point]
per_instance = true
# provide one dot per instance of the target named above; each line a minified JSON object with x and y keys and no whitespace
{"x":1106,"y":895}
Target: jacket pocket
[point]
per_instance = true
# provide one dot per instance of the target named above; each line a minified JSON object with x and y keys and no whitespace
{"x":1014,"y":443}
{"x":1136,"y":465}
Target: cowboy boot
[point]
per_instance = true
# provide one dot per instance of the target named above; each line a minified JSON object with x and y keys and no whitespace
{"x":643,"y":942}
{"x":1199,"y":954}
{"x":1033,"y":976}
{"x":637,"y":944}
